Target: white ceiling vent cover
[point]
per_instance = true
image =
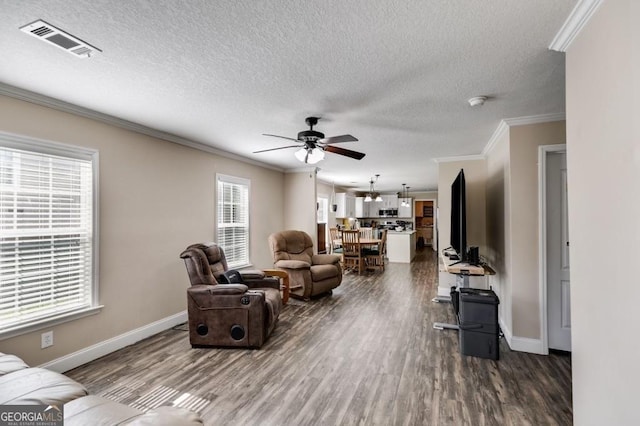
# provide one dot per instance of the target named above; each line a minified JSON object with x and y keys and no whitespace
{"x":65,"y":41}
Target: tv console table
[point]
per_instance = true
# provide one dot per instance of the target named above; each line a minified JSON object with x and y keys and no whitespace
{"x":463,"y":271}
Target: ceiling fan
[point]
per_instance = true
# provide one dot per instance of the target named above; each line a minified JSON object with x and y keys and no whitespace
{"x":313,"y":144}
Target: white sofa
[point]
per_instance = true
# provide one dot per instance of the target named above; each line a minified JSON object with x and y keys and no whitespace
{"x":22,"y":385}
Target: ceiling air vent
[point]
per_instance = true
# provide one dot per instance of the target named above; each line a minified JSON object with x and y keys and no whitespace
{"x":47,"y":32}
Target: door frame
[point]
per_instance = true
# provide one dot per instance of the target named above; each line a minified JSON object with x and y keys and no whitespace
{"x":543,"y":151}
{"x":434,"y":244}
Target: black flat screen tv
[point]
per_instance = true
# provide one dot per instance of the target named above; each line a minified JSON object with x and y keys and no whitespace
{"x":458,"y":239}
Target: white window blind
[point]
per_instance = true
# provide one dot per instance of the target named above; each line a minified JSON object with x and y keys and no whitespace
{"x":233,"y":219}
{"x":46,"y":237}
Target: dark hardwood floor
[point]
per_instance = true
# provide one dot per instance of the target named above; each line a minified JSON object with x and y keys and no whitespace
{"x":366,"y":355}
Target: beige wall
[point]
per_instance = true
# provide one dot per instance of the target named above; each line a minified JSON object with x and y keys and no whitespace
{"x":300,"y":203}
{"x":523,"y":157}
{"x":498,"y":253}
{"x":603,"y":154}
{"x":475,"y":173}
{"x":512,"y":224}
{"x":156,"y":197}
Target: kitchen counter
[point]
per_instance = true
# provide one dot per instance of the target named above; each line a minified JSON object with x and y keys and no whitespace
{"x":401,"y":246}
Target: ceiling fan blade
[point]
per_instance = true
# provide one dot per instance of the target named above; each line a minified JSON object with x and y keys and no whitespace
{"x":281,"y":137}
{"x":339,"y":139}
{"x":273,"y":149}
{"x":346,"y":152}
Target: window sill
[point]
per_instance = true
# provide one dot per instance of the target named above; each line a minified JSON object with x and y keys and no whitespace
{"x":50,"y":322}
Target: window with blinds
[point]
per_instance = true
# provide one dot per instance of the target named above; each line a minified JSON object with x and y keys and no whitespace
{"x":233,"y":219}
{"x":46,"y":235}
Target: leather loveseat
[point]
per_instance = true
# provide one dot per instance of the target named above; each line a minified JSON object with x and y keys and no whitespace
{"x":22,"y":385}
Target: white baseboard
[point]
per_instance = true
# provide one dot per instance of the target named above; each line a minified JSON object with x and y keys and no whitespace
{"x":98,"y":350}
{"x":444,"y":291}
{"x":522,"y":344}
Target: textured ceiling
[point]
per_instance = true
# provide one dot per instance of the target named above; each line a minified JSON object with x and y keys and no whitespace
{"x":395,"y":74}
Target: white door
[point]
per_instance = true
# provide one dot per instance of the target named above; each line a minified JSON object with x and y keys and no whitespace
{"x":558,"y":283}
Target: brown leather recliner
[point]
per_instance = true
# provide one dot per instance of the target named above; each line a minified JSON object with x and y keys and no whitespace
{"x":238,"y":314}
{"x":309,"y":274}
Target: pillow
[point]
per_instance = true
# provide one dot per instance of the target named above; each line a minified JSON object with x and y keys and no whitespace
{"x":232,"y":276}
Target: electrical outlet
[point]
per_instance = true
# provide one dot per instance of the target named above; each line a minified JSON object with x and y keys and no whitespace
{"x":46,"y":339}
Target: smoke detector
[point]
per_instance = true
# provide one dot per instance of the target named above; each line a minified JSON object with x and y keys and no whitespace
{"x":65,"y":41}
{"x":477,"y":101}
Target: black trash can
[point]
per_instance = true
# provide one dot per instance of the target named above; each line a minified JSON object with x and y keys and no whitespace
{"x":478,"y":321}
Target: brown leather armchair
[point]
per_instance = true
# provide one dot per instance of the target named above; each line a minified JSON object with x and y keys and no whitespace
{"x":237,"y":314}
{"x":309,"y":274}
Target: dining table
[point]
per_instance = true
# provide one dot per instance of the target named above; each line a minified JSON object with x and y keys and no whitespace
{"x":366,"y":243}
{"x":363,"y":242}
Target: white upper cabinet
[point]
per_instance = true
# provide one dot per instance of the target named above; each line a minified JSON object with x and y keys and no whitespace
{"x":362,"y":208}
{"x":346,"y":205}
{"x":389,"y":201}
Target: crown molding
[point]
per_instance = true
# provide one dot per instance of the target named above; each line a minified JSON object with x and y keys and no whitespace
{"x":535,"y":119}
{"x":302,"y":170}
{"x":577,"y":19}
{"x":459,"y":158}
{"x":57,"y":104}
{"x":504,"y":125}
{"x":502,"y":128}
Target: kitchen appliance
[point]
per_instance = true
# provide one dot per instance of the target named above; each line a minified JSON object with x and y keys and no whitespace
{"x":406,"y":225}
{"x":388,"y":213}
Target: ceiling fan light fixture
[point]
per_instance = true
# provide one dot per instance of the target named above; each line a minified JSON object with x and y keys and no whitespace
{"x":378,"y":199}
{"x":368,"y":198}
{"x":301,"y":154}
{"x":309,"y":156}
{"x":315,"y":155}
{"x":312,"y":144}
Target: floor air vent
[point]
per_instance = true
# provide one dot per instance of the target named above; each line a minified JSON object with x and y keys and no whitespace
{"x":47,"y":32}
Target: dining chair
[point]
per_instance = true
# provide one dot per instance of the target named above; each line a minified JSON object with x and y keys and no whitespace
{"x":351,"y":250}
{"x":374,"y":257}
{"x":366,"y":233}
{"x":336,"y":247}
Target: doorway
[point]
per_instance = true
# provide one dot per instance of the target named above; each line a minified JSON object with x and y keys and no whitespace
{"x":555,"y":288}
{"x":425,"y":219}
{"x":322,"y":220}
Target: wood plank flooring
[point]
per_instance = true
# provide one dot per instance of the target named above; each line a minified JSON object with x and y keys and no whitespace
{"x":367,"y":355}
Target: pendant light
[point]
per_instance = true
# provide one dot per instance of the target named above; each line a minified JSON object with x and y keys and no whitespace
{"x":334,"y":205}
{"x":403,"y":196}
{"x":372,"y":195}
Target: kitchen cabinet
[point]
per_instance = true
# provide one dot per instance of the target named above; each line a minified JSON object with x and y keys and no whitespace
{"x":373,"y":209}
{"x":424,"y":223}
{"x":401,"y":246}
{"x":368,"y":210}
{"x":389,"y":201}
{"x":346,"y":205}
{"x":406,"y":211}
{"x":419,"y":205}
{"x":362,"y":208}
{"x":424,"y":236}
